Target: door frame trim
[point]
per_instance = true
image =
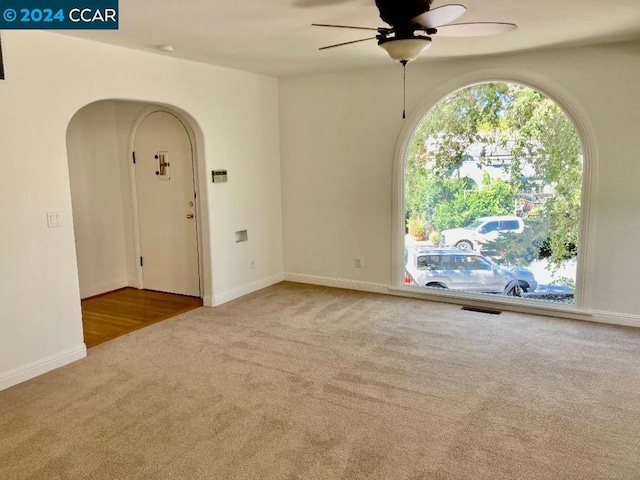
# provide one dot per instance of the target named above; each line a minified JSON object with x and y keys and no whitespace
{"x":137,"y":244}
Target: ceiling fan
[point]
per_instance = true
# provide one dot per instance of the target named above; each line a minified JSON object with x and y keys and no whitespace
{"x":413,"y":23}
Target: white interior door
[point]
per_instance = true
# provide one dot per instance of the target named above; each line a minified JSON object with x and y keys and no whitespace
{"x":166,"y":205}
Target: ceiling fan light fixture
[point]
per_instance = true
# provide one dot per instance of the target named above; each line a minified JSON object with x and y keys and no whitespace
{"x":405,"y":49}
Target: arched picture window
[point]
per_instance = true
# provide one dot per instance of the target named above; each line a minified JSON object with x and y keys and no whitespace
{"x":524,"y":156}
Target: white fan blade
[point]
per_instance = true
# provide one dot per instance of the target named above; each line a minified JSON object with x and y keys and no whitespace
{"x":479,"y":29}
{"x":440,"y":16}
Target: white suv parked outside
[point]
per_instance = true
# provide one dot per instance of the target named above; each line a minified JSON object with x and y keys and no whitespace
{"x":481,"y":231}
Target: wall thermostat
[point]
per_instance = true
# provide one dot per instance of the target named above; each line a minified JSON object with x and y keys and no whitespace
{"x":219,"y":176}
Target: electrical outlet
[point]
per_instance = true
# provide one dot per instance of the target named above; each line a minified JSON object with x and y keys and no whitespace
{"x":359,"y":262}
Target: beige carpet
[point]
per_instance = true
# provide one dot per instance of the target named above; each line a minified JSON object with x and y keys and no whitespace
{"x":308,"y":382}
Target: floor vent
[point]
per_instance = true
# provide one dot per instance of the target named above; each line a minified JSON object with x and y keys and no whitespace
{"x":488,"y":311}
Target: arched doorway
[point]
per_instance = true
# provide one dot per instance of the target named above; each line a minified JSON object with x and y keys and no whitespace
{"x":519,"y":232}
{"x":114,"y":203}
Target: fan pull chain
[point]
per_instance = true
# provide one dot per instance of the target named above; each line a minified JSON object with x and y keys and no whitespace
{"x":404,"y":89}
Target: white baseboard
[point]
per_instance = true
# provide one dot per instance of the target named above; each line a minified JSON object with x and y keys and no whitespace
{"x":32,"y":370}
{"x":614,"y":318}
{"x":208,"y":301}
{"x":220,"y":298}
{"x":337,"y":283}
{"x":609,"y":318}
{"x":92,"y":291}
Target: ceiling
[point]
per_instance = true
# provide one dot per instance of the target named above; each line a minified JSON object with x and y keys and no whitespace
{"x":275,"y":37}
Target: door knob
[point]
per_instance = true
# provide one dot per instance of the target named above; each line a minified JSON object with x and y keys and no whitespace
{"x":190,"y":215}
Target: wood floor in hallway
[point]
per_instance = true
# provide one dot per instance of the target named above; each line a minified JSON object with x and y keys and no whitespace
{"x":117,"y":313}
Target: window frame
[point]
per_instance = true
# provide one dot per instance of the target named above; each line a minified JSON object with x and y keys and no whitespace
{"x":563,"y":98}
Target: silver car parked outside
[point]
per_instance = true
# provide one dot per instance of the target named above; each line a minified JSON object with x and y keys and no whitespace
{"x":456,"y":269}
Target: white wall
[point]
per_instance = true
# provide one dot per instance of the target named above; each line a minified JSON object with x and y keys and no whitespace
{"x":97,"y":199}
{"x":50,"y":77}
{"x":339,"y":133}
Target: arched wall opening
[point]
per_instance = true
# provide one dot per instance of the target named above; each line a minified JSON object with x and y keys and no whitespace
{"x":464,"y":171}
{"x":100,"y":139}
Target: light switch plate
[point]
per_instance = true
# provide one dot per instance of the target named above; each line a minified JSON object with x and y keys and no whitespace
{"x":54,"y":219}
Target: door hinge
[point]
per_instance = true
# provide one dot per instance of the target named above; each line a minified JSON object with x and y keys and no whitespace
{"x":134,"y":157}
{"x":141,"y":262}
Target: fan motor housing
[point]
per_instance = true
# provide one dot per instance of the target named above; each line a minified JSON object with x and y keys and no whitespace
{"x":401,"y":12}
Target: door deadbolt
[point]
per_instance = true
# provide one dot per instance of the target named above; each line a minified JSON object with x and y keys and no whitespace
{"x":162,"y":165}
{"x":191,"y":204}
